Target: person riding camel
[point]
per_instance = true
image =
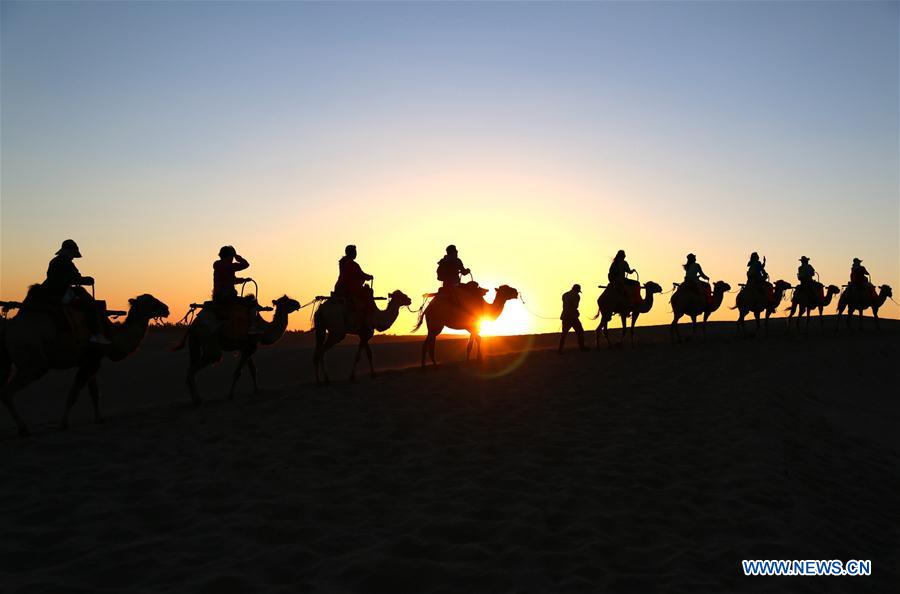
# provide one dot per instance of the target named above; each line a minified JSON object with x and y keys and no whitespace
{"x":450,"y":268}
{"x":806,"y":274}
{"x":224,"y":294}
{"x":693,"y":273}
{"x":64,"y":285}
{"x":351,"y":283}
{"x":860,"y":279}
{"x":757,"y":277}
{"x":616,"y":275}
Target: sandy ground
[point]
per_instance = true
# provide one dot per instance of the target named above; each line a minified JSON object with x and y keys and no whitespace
{"x":646,"y":469}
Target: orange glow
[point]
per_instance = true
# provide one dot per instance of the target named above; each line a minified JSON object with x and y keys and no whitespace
{"x":514,"y":320}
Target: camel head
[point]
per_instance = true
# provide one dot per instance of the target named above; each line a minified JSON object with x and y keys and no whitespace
{"x":781,"y":285}
{"x":149,"y":307}
{"x":651,"y":288}
{"x":505,"y":293}
{"x":721,"y":287}
{"x":886,"y":291}
{"x":832,"y":290}
{"x":400,"y":298}
{"x":286,"y":304}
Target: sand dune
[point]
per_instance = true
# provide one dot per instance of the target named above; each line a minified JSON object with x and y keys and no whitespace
{"x":654,"y":468}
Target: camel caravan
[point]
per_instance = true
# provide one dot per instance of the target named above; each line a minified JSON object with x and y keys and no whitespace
{"x":60,"y":325}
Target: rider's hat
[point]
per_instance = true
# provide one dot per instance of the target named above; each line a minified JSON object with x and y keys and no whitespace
{"x":349,"y":248}
{"x":227,"y":251}
{"x":620,"y":254}
{"x":451,"y":249}
{"x":804,"y":259}
{"x":857,"y":261}
{"x":577,"y":288}
{"x":691,"y":257}
{"x":69,"y":247}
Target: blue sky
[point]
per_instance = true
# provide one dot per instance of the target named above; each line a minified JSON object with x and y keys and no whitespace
{"x":152,"y":131}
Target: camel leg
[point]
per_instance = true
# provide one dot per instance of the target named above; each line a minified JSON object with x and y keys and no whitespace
{"x":861,"y":311}
{"x":674,"y":334}
{"x":478,"y":346}
{"x":237,"y":373}
{"x":706,"y":315}
{"x":356,"y":356}
{"x":19,"y":380}
{"x":372,"y":373}
{"x":756,"y":315}
{"x":693,"y":326}
{"x":597,"y":335}
{"x":624,"y":328}
{"x":251,"y":365}
{"x":81,"y":379}
{"x":94,"y":389}
{"x":202,"y":356}
{"x":875,"y":315}
{"x":634,"y":318}
{"x":329,"y":342}
{"x":469,"y":346}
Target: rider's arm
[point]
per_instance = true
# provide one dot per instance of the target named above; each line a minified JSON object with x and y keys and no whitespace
{"x":241,"y":264}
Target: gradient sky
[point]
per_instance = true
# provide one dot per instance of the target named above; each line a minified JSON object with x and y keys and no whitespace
{"x":537,"y":137}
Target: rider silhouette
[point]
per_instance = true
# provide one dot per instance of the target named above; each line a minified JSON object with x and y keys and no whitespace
{"x":351,"y":282}
{"x":757,"y":276}
{"x":616,"y":275}
{"x":224,"y":278}
{"x":64,"y":284}
{"x":570,"y":318}
{"x":805,"y":274}
{"x":860,"y":280}
{"x":450,"y":268}
{"x":693,"y":273}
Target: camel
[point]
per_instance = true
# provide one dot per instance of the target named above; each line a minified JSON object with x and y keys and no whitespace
{"x":757,"y":302}
{"x":687,"y":302}
{"x":613,"y":301}
{"x":31,"y":344}
{"x":807,"y":301}
{"x":461,"y":313}
{"x":853,"y":299}
{"x":332,"y":326}
{"x":206,"y":339}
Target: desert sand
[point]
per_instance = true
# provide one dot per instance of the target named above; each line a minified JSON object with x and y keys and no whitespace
{"x":655,"y":468}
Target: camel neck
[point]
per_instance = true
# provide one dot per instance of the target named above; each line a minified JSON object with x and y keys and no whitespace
{"x":275,"y":329}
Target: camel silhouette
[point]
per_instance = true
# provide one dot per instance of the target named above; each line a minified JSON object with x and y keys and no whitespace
{"x":613,"y":301}
{"x":32,"y":343}
{"x":461,"y":312}
{"x":332,"y":326}
{"x":752,"y":300}
{"x":687,"y":302}
{"x":855,"y":298}
{"x":806,"y":301}
{"x":208,"y":337}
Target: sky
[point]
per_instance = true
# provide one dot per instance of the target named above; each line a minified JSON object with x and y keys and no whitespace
{"x":537,"y":137}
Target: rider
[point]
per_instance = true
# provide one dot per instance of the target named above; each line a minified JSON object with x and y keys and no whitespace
{"x":757,"y":277}
{"x":450,"y":268}
{"x":616,"y":275}
{"x":351,"y":281}
{"x":805,"y":274}
{"x":64,"y":284}
{"x":859,"y":278}
{"x":693,"y":273}
{"x":570,"y":318}
{"x":224,"y":279}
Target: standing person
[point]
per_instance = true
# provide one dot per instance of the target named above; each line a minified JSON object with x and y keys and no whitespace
{"x":64,"y":285}
{"x":450,"y":268}
{"x":570,"y":317}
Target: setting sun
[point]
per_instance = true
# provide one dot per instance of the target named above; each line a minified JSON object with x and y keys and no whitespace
{"x":514,"y":320}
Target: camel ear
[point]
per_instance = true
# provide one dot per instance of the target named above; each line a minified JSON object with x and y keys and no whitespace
{"x":132,"y":301}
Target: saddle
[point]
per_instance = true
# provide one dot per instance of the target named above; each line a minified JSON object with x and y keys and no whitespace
{"x":233,"y":318}
{"x":464,"y":295}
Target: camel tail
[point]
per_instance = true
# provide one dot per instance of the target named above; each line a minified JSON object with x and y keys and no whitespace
{"x":596,"y":315}
{"x":734,"y":307}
